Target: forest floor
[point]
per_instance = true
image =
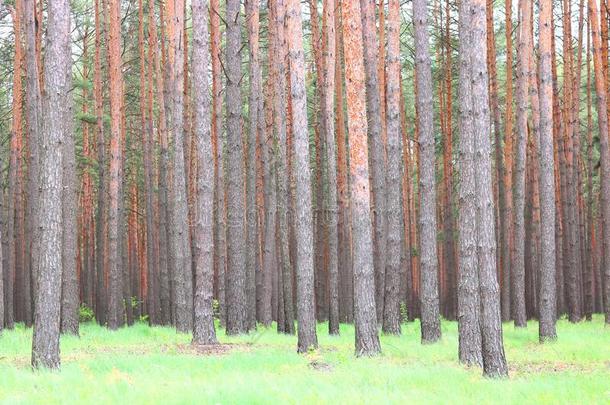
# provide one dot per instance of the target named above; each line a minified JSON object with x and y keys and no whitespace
{"x":155,"y":365}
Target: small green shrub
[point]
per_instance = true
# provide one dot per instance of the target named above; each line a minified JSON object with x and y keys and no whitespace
{"x":85,"y":314}
{"x":216,"y":309}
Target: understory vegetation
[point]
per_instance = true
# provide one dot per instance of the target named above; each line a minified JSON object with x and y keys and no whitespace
{"x":145,"y":364}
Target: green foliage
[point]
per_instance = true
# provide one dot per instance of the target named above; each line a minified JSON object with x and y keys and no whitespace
{"x":216,"y":309}
{"x":142,"y":364}
{"x":404,"y":313}
{"x":85,"y":314}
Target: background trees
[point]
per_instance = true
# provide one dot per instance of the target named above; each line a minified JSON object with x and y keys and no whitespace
{"x":173,"y":199}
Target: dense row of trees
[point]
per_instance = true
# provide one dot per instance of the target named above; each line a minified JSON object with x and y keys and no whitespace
{"x":291,"y":169}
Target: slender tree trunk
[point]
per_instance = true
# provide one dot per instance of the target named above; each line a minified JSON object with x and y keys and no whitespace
{"x":547,"y":182}
{"x":499,"y":158}
{"x":306,"y":315}
{"x":252,"y":18}
{"x":430,"y":318}
{"x":152,"y":247}
{"x":494,"y":361}
{"x":376,"y":148}
{"x":203,"y":331}
{"x":34,"y":119}
{"x":391,"y":314}
{"x":320,"y":169}
{"x":367,"y":339}
{"x":219,"y":182}
{"x":12,"y":275}
{"x":285,"y":304}
{"x":179,"y":224}
{"x":101,"y":215}
{"x":507,"y":214}
{"x":70,"y":299}
{"x":164,"y":234}
{"x":115,"y":286}
{"x":602,"y":119}
{"x":58,"y":63}
{"x":469,"y":304}
{"x":518,"y":265}
{"x":329,"y":88}
{"x":346,"y":292}
{"x":236,"y":251}
{"x":268,"y":156}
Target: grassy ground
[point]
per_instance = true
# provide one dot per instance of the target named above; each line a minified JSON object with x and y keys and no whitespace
{"x":156,"y":365}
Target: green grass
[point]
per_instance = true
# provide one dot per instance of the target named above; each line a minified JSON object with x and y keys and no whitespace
{"x":156,"y":365}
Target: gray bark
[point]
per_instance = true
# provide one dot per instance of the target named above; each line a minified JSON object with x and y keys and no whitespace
{"x":45,"y":341}
{"x":430,"y":318}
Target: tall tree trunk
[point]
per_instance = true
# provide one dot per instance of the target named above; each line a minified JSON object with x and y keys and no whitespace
{"x":164,"y":236}
{"x":469,"y":304}
{"x":115,"y":286}
{"x":218,"y":140}
{"x":391,"y":310}
{"x":547,"y":181}
{"x":376,"y":148}
{"x":70,"y":298}
{"x":367,"y":339}
{"x":203,"y":331}
{"x":449,"y":221}
{"x":236,"y":251}
{"x":269,"y":267}
{"x":179,"y":224}
{"x":499,"y":158}
{"x":319,"y":126}
{"x":58,"y":63}
{"x":602,"y":119}
{"x":518,"y":264}
{"x":507,"y":214}
{"x":328,"y":31}
{"x":285,"y":304}
{"x":494,"y":361}
{"x":346,"y":292}
{"x":34,"y":119}
{"x":252,"y":263}
{"x":306,"y":315}
{"x":430,"y":318}
{"x":12,"y":275}
{"x":152,"y":247}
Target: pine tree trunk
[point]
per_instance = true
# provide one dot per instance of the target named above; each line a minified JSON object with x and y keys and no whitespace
{"x":518,"y":264}
{"x":469,"y":305}
{"x":101,"y":215}
{"x":203,"y":327}
{"x":115,"y":286}
{"x":219,"y":181}
{"x":70,"y":298}
{"x":34,"y":119}
{"x":602,"y":119}
{"x":376,"y":149}
{"x":391,"y":310}
{"x":367,"y":339}
{"x":507,"y":214}
{"x":328,"y":30}
{"x":252,"y":265}
{"x":306,"y":315}
{"x":346,"y":291}
{"x":236,"y":251}
{"x":58,"y":63}
{"x":499,"y":158}
{"x":494,"y":361}
{"x":430,"y":318}
{"x":12,"y":274}
{"x":268,"y":156}
{"x":179,"y":223}
{"x":547,"y":299}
